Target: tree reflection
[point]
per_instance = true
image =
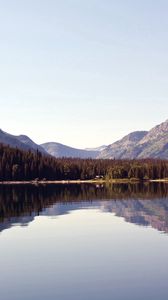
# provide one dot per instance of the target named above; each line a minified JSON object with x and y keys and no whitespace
{"x":142,"y":204}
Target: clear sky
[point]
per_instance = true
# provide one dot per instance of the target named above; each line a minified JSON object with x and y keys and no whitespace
{"x":83,"y":73}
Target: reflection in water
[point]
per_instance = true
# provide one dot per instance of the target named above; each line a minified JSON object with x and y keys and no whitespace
{"x":145,"y":205}
{"x":88,"y":253}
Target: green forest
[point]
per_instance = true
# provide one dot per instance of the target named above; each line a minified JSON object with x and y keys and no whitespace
{"x":18,"y":165}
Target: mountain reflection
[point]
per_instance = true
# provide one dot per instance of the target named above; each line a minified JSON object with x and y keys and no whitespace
{"x":142,"y":204}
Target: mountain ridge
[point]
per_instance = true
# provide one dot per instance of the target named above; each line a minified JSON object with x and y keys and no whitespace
{"x":123,"y":148}
{"x":135,"y":145}
{"x":60,"y":150}
{"x":146,"y":144}
{"x":20,"y":141}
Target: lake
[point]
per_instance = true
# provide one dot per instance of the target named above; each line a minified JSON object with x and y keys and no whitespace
{"x":85,"y":242}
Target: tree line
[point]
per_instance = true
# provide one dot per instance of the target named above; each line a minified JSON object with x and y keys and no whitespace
{"x":16,"y":164}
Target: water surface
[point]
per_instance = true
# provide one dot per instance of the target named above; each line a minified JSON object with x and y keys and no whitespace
{"x":84,"y":242}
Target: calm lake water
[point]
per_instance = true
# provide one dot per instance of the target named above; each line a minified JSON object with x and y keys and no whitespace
{"x":84,"y":242}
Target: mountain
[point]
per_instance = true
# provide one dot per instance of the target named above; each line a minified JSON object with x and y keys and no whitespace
{"x":21,"y":141}
{"x":29,"y":143}
{"x":155,"y":143}
{"x":124,"y":148}
{"x":100,"y":148}
{"x":60,"y":150}
{"x":140,"y":144}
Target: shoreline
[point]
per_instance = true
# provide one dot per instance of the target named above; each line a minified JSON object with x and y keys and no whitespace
{"x":91,"y":181}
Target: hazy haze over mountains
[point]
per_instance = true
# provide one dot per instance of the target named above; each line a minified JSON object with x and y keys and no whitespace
{"x":138,"y":144}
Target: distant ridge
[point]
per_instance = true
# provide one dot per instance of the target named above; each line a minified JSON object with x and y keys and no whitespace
{"x":21,"y":141}
{"x":140,"y":144}
{"x":135,"y":145}
{"x":124,"y":148}
{"x":60,"y":150}
{"x":100,"y":148}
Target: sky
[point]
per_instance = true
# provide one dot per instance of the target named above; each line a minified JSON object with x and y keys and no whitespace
{"x":83,"y":73}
